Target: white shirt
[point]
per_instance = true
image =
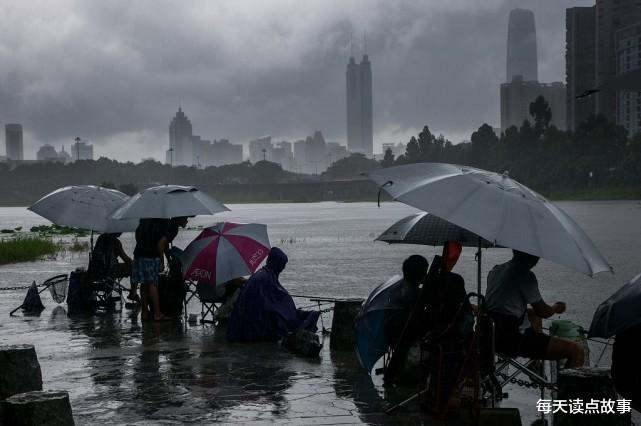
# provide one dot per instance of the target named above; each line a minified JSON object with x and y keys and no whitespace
{"x":510,"y":288}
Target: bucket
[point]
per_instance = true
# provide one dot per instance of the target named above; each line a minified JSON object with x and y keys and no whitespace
{"x":566,"y":329}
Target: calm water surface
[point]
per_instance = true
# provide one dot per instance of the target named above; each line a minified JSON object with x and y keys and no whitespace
{"x":121,"y":372}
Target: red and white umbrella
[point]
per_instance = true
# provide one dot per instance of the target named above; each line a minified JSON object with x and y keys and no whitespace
{"x":225,"y":251}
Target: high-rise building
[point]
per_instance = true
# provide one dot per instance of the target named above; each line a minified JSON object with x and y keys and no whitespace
{"x":580,"y":63}
{"x":611,"y":16}
{"x":282,"y":154}
{"x":335,"y":152}
{"x":300,"y":157}
{"x":223,"y":152}
{"x":517,"y":96}
{"x":180,"y":133}
{"x":522,"y":86}
{"x":359,"y":106}
{"x":199,"y":147}
{"x":628,"y":61}
{"x":13,"y":142}
{"x":316,"y":153}
{"x":81,"y":151}
{"x":521,"y":46}
{"x":260,"y":149}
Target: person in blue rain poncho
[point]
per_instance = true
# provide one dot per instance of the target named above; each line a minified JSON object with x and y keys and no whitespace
{"x":265,"y":311}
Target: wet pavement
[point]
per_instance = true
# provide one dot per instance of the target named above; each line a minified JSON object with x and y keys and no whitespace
{"x":121,"y":371}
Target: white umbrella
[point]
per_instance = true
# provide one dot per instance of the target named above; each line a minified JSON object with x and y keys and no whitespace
{"x":496,"y":208}
{"x":85,"y":207}
{"x":167,"y":201}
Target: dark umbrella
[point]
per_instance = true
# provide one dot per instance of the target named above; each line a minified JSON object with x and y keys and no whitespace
{"x":381,"y":308}
{"x":427,"y":229}
{"x":619,"y":312}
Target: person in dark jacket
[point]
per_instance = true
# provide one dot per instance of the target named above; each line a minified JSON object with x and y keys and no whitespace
{"x":265,"y":311}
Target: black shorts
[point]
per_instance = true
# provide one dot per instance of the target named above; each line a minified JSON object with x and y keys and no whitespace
{"x":512,"y":342}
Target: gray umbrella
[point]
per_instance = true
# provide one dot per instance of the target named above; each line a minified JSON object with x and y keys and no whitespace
{"x":427,"y":229}
{"x":619,"y":312}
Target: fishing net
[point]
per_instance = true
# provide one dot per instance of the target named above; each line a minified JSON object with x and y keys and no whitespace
{"x":58,"y":287}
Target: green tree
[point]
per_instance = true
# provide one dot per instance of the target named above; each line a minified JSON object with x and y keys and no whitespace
{"x":483,"y":142}
{"x":412,"y":151}
{"x":351,"y":167}
{"x":388,"y":158}
{"x":541,"y":113}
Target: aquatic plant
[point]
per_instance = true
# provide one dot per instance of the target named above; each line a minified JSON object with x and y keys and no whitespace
{"x":48,"y":230}
{"x":24,"y":249}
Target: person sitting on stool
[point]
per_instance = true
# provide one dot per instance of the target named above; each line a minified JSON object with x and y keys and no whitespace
{"x":511,"y":287}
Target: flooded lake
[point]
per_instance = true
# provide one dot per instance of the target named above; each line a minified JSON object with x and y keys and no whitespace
{"x":119,"y":371}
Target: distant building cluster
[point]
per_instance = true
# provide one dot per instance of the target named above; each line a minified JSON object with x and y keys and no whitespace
{"x":522,"y":86}
{"x":603,"y":62}
{"x":187,"y":149}
{"x":47,"y":153}
{"x":312,"y":155}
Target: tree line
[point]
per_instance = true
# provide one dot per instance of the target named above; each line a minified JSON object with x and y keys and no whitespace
{"x":598,"y":154}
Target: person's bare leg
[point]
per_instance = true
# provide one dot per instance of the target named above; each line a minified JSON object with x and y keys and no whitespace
{"x":155,"y":302}
{"x":565,"y":349}
{"x":133,"y":291}
{"x":144,"y":301}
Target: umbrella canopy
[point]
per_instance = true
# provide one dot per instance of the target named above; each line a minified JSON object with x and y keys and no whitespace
{"x":225,"y":251}
{"x":619,"y":312}
{"x":427,"y":229}
{"x":373,"y":337}
{"x":496,"y":208}
{"x":85,"y":207}
{"x":167,"y":201}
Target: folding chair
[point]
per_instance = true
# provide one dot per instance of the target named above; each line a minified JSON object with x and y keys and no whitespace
{"x":500,"y":367}
{"x":210,"y":300}
{"x":103,"y":290}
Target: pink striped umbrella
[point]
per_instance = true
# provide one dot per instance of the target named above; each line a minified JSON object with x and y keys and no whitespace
{"x":225,"y":251}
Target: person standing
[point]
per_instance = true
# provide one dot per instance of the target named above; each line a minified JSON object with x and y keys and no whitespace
{"x":151,"y":243}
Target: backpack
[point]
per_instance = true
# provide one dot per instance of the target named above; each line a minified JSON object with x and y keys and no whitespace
{"x":302,"y":342}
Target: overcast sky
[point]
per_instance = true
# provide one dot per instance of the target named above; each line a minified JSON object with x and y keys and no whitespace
{"x":114,"y":72}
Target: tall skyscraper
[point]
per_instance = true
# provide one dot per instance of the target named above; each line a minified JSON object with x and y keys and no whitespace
{"x":521,"y":46}
{"x":360,"y":133}
{"x":628,"y":60}
{"x":13,"y":141}
{"x":180,"y":133}
{"x":611,"y":16}
{"x":580,"y":63}
{"x":522,"y":86}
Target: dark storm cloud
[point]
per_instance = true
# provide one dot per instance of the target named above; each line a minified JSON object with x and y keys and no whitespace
{"x":114,"y":72}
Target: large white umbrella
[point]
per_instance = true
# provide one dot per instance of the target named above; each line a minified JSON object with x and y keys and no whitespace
{"x":167,"y":201}
{"x":85,"y":207}
{"x":496,"y":208}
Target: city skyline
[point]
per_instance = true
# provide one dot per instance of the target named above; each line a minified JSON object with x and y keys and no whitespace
{"x":120,"y":100}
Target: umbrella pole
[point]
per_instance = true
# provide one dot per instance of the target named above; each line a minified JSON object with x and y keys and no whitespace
{"x":479,"y":315}
{"x":478,"y":267}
